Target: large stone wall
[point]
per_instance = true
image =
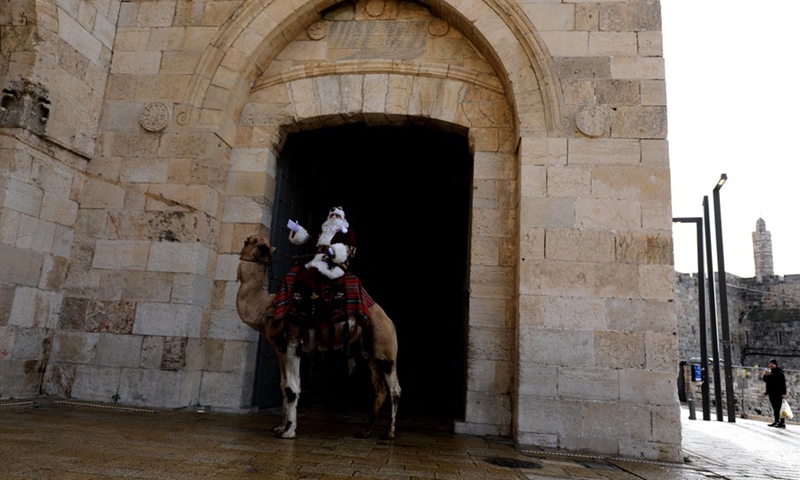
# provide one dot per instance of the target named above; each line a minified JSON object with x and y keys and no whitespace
{"x":763,"y":316}
{"x":164,"y":159}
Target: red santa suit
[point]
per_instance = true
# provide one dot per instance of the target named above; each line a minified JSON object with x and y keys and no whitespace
{"x":336,"y":246}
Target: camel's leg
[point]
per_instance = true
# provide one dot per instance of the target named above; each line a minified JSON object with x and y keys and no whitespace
{"x":390,"y":375}
{"x":284,"y":412}
{"x":379,"y":387}
{"x":291,"y":389}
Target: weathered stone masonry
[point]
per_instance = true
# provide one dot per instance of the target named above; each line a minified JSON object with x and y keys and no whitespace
{"x":121,"y":215}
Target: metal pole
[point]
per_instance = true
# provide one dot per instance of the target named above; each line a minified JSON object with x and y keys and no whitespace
{"x":701,"y":306}
{"x":723,"y":305}
{"x":712,"y":310}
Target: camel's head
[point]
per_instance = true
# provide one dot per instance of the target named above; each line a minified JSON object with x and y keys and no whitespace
{"x":257,"y":249}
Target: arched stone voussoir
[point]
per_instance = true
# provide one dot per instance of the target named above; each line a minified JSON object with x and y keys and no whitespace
{"x":379,"y":98}
{"x":503,"y":34}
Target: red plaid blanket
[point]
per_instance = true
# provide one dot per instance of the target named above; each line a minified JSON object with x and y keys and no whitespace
{"x":357,"y":303}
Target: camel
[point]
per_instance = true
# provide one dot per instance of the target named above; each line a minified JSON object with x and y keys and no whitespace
{"x":377,"y":336}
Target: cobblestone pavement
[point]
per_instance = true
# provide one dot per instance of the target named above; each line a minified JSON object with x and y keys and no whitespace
{"x":56,"y":439}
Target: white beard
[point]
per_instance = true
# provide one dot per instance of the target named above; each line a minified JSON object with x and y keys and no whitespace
{"x":331,"y":227}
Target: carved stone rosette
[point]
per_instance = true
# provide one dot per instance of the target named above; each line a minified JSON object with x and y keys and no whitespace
{"x":154,"y":117}
{"x":24,"y":104}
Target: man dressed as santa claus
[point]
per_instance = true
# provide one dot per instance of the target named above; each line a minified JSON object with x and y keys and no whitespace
{"x":336,"y":246}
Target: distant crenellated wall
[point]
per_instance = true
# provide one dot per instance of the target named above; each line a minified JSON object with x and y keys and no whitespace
{"x":764,"y":319}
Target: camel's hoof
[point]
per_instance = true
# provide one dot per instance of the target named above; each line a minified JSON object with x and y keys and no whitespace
{"x":279,"y":429}
{"x":286,"y":435}
{"x":387,"y":437}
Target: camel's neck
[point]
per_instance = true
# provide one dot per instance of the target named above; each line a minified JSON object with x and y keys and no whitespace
{"x":253,"y":300}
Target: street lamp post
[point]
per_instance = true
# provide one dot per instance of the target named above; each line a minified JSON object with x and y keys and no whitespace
{"x":712,"y":310}
{"x":723,"y":304}
{"x":701,"y":307}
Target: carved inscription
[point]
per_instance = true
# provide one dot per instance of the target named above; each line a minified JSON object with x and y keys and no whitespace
{"x":397,"y":40}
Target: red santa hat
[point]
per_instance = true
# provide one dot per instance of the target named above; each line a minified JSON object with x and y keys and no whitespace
{"x":336,"y":211}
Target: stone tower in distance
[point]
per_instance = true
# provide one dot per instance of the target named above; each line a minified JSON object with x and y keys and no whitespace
{"x":762,"y":250}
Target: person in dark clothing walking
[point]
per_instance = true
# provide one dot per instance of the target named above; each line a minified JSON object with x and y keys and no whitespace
{"x":776,"y":391}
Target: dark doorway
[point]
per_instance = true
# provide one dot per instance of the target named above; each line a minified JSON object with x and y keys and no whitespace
{"x":406,"y":192}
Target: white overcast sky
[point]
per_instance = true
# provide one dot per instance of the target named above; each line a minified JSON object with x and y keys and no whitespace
{"x":733,"y":77}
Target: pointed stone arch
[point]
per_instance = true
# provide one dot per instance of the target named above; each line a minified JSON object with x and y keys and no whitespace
{"x":242,"y":47}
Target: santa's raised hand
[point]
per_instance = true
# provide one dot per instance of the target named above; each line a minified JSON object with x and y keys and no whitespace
{"x":293,"y":226}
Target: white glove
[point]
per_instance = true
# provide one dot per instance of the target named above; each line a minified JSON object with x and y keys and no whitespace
{"x":293,"y":226}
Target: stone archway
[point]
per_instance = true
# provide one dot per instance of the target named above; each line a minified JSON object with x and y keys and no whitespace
{"x":443,"y":83}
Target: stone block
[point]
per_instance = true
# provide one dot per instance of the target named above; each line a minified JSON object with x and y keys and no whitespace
{"x":121,"y":254}
{"x":78,"y":37}
{"x":569,"y":43}
{"x":115,"y":350}
{"x":152,"y":351}
{"x":20,"y":266}
{"x":583,"y":67}
{"x":136,"y":63}
{"x":488,"y":312}
{"x":102,"y":195}
{"x":96,"y":383}
{"x":35,"y":234}
{"x":648,"y":184}
{"x":644,"y":387}
{"x":54,"y":273}
{"x":641,"y":315}
{"x":650,"y":248}
{"x":174,"y":354}
{"x":531,"y":245}
{"x":143,"y":170}
{"x":655,"y":153}
{"x":492,"y":222}
{"x":661,"y":350}
{"x":159,"y":389}
{"x":549,"y":212}
{"x":179,"y":257}
{"x":217,"y":387}
{"x":537,"y":381}
{"x":613,"y":44}
{"x":534,"y":180}
{"x":34,"y":308}
{"x":580,"y":245}
{"x":490,"y":408}
{"x":75,"y":347}
{"x":569,"y":181}
{"x":167,"y":319}
{"x":58,"y":210}
{"x":620,"y":215}
{"x":574,"y":313}
{"x":624,"y":420}
{"x":615,"y":280}
{"x":490,"y":282}
{"x":638,"y":68}
{"x":227,"y":266}
{"x":20,"y":378}
{"x":129,"y":145}
{"x":20,"y":196}
{"x":192,"y":289}
{"x":238,"y":356}
{"x":604,"y":151}
{"x":619,"y":350}
{"x":556,"y":347}
{"x":550,"y":16}
{"x":639,"y":122}
{"x":155,"y":14}
{"x":490,"y":344}
{"x":557,"y":278}
{"x":142,"y":285}
{"x":26,"y":343}
{"x":638,"y":16}
{"x":226,"y":324}
{"x":654,"y":93}
{"x":243,"y":210}
{"x":657,"y":282}
{"x":591,"y":384}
